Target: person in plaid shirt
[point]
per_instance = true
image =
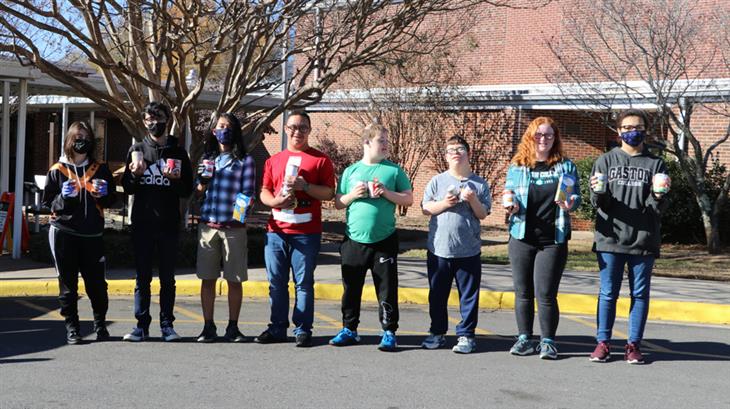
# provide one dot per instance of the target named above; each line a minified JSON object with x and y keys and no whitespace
{"x":222,"y":241}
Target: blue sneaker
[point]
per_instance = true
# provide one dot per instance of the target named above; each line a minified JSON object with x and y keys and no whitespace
{"x":169,"y":334}
{"x":345,"y":337}
{"x":388,"y":343}
{"x":547,"y":349}
{"x":523,"y":346}
{"x":137,"y":335}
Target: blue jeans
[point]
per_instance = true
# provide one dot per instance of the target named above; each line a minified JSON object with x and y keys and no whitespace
{"x":441,"y":274}
{"x":296,"y":253}
{"x":612,"y":271}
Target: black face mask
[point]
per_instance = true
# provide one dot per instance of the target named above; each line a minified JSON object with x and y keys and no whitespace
{"x":157,"y":129}
{"x":82,"y":146}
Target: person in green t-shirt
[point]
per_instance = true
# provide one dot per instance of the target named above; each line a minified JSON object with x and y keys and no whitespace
{"x":370,"y":190}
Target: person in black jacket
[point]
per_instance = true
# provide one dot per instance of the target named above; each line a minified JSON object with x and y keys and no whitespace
{"x":158,"y":174}
{"x":77,"y":190}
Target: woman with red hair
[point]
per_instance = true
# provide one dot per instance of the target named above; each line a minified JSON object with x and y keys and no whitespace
{"x":539,"y":226}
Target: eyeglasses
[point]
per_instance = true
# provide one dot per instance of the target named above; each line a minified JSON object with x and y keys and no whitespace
{"x":633,"y":127}
{"x":548,"y":136}
{"x":452,"y":151}
{"x":298,"y":128}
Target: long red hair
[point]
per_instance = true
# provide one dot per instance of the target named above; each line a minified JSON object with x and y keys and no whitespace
{"x":526,"y":152}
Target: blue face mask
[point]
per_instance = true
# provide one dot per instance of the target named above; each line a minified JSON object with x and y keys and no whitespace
{"x":634,"y":138}
{"x":223,"y":135}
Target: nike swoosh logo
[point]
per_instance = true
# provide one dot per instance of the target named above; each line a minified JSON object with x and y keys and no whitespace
{"x":383,"y":260}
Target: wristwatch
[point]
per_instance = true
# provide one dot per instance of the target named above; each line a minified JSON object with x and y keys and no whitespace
{"x":306,"y":187}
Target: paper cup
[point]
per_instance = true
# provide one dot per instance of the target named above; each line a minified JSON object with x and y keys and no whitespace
{"x":600,"y":186}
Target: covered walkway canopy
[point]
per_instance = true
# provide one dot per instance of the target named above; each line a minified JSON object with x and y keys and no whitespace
{"x":25,"y":81}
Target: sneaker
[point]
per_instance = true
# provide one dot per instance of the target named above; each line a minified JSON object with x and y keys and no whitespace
{"x":465,"y":345}
{"x":102,"y":334}
{"x":602,"y":353}
{"x":345,"y":337}
{"x":547,"y":349}
{"x":73,"y":336}
{"x":388,"y":342}
{"x":303,"y":340}
{"x":169,"y":334}
{"x":633,"y":355}
{"x":208,"y":335}
{"x":137,"y":335}
{"x":433,"y":341}
{"x":523,"y":346}
{"x":233,"y":334}
{"x":267,"y":337}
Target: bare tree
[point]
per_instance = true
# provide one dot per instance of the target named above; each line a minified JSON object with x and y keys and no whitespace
{"x":659,"y":52}
{"x":145,"y":49}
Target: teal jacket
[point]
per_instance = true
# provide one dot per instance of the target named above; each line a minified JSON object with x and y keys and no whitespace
{"x":518,"y":181}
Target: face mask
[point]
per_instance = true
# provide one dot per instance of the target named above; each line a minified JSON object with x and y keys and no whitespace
{"x":157,"y":129}
{"x":634,"y":138}
{"x":82,"y":145}
{"x":223,"y":135}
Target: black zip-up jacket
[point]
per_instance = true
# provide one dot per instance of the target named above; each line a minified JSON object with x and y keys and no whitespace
{"x":81,"y":215}
{"x":157,"y":198}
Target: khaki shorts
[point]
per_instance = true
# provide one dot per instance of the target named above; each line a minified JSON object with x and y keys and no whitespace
{"x":226,"y":248}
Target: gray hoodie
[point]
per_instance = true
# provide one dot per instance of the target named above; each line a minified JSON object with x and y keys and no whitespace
{"x":629,"y":216}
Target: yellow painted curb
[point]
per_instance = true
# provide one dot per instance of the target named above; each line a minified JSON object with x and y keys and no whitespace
{"x":585,"y":304}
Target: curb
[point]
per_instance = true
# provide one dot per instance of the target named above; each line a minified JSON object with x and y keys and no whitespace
{"x":583,"y":304}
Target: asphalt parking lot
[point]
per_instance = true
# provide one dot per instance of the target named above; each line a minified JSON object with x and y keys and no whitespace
{"x":687,"y":365}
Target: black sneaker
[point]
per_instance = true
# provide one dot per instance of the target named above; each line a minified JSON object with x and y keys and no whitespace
{"x":233,"y":335}
{"x":304,"y":340}
{"x":102,"y":334}
{"x":267,"y":337}
{"x":73,"y":336}
{"x":208,"y":335}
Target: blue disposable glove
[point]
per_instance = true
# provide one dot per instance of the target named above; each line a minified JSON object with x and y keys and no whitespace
{"x":69,"y":189}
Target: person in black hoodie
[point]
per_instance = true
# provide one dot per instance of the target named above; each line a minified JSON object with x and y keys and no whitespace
{"x":77,"y":190}
{"x":157,"y":188}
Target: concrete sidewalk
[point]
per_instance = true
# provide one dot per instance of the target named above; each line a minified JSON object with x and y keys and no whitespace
{"x":673,"y":299}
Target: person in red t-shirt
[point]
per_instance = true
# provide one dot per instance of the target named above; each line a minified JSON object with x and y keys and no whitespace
{"x":295,"y":182}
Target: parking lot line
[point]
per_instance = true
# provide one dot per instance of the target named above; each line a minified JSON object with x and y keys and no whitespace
{"x":47,"y":312}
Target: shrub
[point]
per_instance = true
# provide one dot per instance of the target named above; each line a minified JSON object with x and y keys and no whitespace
{"x":120,"y":254}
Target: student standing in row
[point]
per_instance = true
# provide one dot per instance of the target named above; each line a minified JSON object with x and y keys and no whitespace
{"x":370,"y":190}
{"x":77,"y":190}
{"x":456,"y":200}
{"x":628,"y":188}
{"x":158,"y":174}
{"x":222,"y":241}
{"x":296,"y":181}
{"x":539,"y":227}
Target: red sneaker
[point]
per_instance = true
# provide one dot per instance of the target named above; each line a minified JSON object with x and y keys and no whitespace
{"x":633,"y":354}
{"x":602,"y":353}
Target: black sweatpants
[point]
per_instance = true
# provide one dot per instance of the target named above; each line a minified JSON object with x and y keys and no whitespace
{"x":381,"y":259}
{"x":536,"y":272}
{"x":73,"y":254}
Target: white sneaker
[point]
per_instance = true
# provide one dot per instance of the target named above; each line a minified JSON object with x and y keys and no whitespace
{"x":466,"y":345}
{"x":433,"y":341}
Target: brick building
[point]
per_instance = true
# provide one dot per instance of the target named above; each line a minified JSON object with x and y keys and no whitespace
{"x":505,"y":66}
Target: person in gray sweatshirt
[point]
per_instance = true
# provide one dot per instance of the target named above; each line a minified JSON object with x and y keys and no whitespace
{"x":628,"y":188}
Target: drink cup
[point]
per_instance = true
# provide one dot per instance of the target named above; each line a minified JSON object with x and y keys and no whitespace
{"x":371,"y":188}
{"x":660,"y":183}
{"x":362,"y":183}
{"x":208,"y":168}
{"x":600,"y":186}
{"x":173,"y":166}
{"x":137,"y":158}
{"x":290,"y":173}
{"x":100,"y":186}
{"x":508,"y":198}
{"x":453,"y":190}
{"x":463,"y":193}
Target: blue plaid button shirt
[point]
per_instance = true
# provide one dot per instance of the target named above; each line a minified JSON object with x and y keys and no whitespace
{"x":230,"y":178}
